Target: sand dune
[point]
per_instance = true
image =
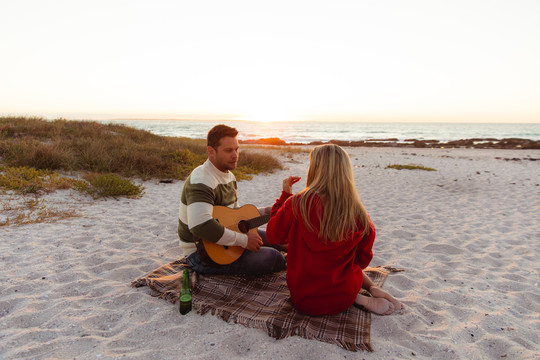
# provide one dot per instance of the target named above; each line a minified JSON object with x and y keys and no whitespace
{"x":467,"y":235}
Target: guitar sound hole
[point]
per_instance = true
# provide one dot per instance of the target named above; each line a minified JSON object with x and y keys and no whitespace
{"x":243,"y":226}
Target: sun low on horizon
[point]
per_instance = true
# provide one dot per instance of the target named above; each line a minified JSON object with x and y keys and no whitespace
{"x":269,"y":115}
{"x":263,"y":119}
{"x":292,"y":61}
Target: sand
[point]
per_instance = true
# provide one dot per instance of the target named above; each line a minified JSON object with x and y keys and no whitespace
{"x":467,"y":235}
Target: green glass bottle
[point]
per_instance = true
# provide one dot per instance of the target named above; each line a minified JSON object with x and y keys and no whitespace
{"x":185,"y":294}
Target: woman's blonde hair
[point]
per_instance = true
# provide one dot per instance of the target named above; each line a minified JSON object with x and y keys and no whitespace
{"x":330,"y":176}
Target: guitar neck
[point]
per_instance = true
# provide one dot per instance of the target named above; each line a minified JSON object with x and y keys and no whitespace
{"x":245,"y":225}
{"x":258,"y":221}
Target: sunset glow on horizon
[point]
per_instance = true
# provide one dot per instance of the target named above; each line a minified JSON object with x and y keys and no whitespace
{"x":416,"y":61}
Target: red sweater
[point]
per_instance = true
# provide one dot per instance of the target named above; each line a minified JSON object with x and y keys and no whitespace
{"x":323,"y":279}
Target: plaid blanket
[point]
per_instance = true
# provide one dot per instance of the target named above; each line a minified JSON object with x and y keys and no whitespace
{"x":264,"y":302}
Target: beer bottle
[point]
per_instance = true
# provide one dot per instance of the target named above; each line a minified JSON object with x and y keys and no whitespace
{"x":185,"y":294}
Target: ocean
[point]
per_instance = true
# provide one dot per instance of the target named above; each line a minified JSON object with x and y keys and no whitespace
{"x":305,"y":132}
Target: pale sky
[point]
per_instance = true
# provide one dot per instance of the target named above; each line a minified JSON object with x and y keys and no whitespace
{"x":364,"y":60}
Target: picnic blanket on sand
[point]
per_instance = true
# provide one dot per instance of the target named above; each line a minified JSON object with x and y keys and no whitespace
{"x":263,"y":302}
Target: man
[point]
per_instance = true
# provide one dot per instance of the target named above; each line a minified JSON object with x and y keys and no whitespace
{"x":212,"y":184}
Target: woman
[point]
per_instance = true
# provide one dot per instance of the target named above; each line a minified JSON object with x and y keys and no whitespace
{"x":330,"y":238}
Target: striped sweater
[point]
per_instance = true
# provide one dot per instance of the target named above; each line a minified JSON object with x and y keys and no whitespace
{"x":205,"y":188}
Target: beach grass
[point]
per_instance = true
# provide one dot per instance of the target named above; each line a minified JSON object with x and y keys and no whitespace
{"x":26,"y":180}
{"x":108,"y":185}
{"x":97,"y":159}
{"x":410,"y":167}
{"x":109,"y":149}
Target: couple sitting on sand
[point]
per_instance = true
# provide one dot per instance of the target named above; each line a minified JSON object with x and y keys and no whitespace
{"x":325,"y":228}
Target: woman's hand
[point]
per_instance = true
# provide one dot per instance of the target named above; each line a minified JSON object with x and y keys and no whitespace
{"x":288,"y":183}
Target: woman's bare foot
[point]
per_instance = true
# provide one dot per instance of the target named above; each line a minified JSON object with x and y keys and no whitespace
{"x":377,"y":292}
{"x":376,"y":305}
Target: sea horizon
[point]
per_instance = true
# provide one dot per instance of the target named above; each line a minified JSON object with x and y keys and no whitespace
{"x":298,"y":132}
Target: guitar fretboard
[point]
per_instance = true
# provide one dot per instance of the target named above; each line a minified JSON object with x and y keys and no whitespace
{"x":246,"y":225}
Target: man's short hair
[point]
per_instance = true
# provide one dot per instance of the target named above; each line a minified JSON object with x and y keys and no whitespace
{"x":217,"y":133}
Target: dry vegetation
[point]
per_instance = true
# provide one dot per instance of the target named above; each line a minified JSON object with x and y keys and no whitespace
{"x":103,"y":157}
{"x":99,"y":148}
{"x":30,"y":210}
{"x":410,"y":167}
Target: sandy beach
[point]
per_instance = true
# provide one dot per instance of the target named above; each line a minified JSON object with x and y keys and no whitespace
{"x":467,"y":236}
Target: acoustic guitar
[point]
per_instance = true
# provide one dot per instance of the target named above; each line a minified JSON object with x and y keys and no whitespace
{"x":245,"y":219}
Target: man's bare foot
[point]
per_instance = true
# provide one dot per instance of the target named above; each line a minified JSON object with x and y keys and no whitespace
{"x":377,"y":292}
{"x":376,"y":305}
